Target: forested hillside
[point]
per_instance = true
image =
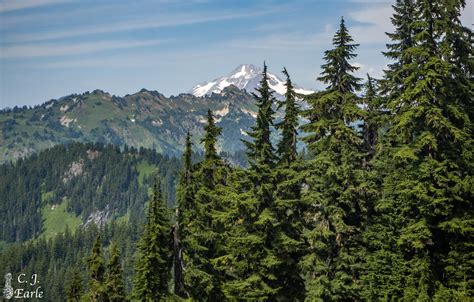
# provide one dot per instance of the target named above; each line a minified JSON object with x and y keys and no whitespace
{"x":379,"y":209}
{"x":144,"y":119}
{"x":78,"y":184}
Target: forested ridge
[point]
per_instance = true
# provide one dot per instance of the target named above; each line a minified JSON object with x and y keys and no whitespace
{"x":93,"y":181}
{"x":378,"y":209}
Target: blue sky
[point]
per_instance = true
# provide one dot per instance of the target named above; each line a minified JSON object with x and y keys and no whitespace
{"x":52,"y":48}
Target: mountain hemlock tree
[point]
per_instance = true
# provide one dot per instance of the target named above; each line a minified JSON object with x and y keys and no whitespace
{"x":75,"y":288}
{"x":114,"y":277}
{"x":286,"y":147}
{"x":95,"y":263}
{"x":428,"y":151}
{"x":288,"y":243}
{"x":250,"y":260}
{"x":154,"y":253}
{"x":375,"y":119}
{"x":184,"y":215}
{"x":335,"y":188}
{"x":384,"y":265}
{"x":402,"y":38}
{"x":203,"y":237}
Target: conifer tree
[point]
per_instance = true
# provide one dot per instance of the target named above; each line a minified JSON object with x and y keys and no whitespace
{"x":402,"y":39}
{"x":260,"y":151}
{"x":74,"y":289}
{"x":286,"y":148}
{"x":288,"y":243}
{"x":184,"y":214}
{"x":95,"y":263}
{"x":335,"y":184}
{"x":154,"y":256}
{"x":426,"y":154}
{"x":250,"y":259}
{"x":203,"y":236}
{"x":375,"y":117}
{"x":383,"y":265}
{"x":211,"y":133}
{"x":114,"y":277}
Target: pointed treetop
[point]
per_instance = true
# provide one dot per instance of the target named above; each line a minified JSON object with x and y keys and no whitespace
{"x":188,"y":151}
{"x":286,"y":148}
{"x":337,"y":71}
{"x":260,"y":150}
{"x":210,"y":137}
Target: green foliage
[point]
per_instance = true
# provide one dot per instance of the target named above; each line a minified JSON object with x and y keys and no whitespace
{"x":57,"y":219}
{"x":249,"y":260}
{"x":114,"y":277}
{"x":145,"y":119}
{"x":288,"y":243}
{"x":74,"y":289}
{"x":95,"y":262}
{"x":201,"y":235}
{"x":286,"y":148}
{"x":423,"y":215}
{"x":63,"y":186}
{"x":336,"y":191}
{"x":378,"y":208}
{"x":154,"y":252}
{"x":211,"y":132}
{"x":184,"y":216}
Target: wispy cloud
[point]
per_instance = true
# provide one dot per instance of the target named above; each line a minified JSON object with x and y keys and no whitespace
{"x":133,"y":59}
{"x":55,"y":49}
{"x":375,"y":22}
{"x":12,"y":5}
{"x":156,"y":22}
{"x":12,"y":21}
{"x":288,"y":41}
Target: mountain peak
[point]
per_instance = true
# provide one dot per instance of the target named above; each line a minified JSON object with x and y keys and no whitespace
{"x":245,"y":70}
{"x":244,"y":76}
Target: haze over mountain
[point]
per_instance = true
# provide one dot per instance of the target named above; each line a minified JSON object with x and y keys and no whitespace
{"x":245,"y":76}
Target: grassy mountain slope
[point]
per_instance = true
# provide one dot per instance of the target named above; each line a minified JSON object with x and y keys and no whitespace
{"x":144,"y":119}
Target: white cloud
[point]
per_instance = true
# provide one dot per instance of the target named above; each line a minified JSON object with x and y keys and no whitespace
{"x":12,"y":5}
{"x":376,"y":22}
{"x":287,"y":41}
{"x":54,"y":49}
{"x":156,"y":22}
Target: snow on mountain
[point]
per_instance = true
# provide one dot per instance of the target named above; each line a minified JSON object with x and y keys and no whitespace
{"x":245,"y":76}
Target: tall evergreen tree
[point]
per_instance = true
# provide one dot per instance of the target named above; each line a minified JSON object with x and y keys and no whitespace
{"x":211,"y":133}
{"x":250,"y":259}
{"x":288,"y":243}
{"x":95,"y":263}
{"x":286,"y":148}
{"x":383,"y":265}
{"x":184,"y":215}
{"x":426,"y":154}
{"x":74,"y":289}
{"x":114,"y":277}
{"x":260,"y":151}
{"x":402,"y":39}
{"x":203,"y":235}
{"x":154,"y":255}
{"x":375,"y":119}
{"x":335,"y":179}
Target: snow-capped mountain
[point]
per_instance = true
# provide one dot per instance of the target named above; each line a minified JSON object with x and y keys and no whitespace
{"x":245,"y":76}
